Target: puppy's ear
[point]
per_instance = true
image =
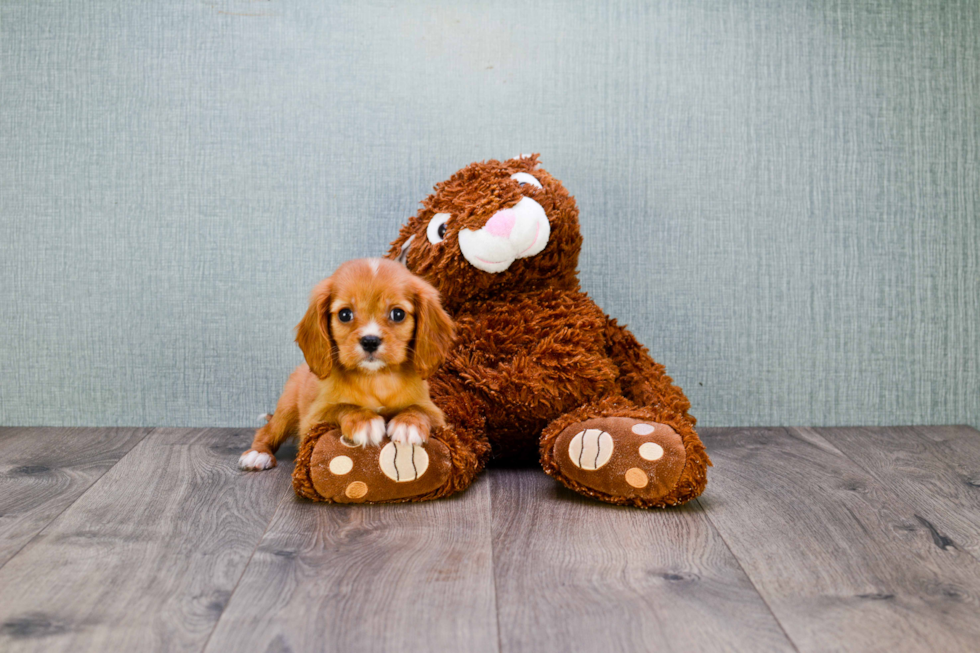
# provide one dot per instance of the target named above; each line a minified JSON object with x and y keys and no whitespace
{"x":313,"y":331}
{"x":433,"y":330}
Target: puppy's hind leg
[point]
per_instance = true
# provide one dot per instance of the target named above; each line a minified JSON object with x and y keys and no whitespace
{"x":282,"y":424}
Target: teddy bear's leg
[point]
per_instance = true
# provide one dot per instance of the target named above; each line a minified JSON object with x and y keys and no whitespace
{"x":637,"y":449}
{"x":327,"y":469}
{"x":615,"y":451}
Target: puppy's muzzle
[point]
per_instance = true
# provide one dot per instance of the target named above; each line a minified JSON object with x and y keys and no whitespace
{"x":370,"y":344}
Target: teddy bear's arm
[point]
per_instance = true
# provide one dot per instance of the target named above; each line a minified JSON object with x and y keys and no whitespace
{"x":642,"y":380}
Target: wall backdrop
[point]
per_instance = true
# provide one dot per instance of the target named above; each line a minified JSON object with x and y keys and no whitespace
{"x":781,"y":198}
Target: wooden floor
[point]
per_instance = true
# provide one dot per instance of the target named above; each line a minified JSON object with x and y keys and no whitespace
{"x":806,"y":539}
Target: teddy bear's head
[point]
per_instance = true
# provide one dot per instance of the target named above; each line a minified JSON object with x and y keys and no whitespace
{"x":493,"y":226}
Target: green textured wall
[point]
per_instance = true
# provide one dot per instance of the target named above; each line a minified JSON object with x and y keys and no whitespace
{"x":782,"y":199}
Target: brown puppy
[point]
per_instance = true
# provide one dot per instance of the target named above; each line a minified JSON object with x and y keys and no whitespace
{"x":372,"y":335}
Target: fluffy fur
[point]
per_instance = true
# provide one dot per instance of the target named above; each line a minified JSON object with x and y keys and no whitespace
{"x":371,"y":336}
{"x":535,"y":359}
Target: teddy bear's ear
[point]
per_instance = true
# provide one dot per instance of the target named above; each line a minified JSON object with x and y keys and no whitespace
{"x":534,"y":159}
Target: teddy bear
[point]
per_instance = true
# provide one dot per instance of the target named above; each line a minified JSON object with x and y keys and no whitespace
{"x":537,"y":370}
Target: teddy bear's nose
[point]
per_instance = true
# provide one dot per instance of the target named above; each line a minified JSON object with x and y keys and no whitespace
{"x":501,"y":223}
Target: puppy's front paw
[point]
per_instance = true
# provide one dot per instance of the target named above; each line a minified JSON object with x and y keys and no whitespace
{"x":407,"y":430}
{"x":364,"y":431}
{"x":256,"y":461}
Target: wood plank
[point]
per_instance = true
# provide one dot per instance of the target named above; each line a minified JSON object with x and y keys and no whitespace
{"x":148,"y":557}
{"x":397,"y":577}
{"x":43,"y":470}
{"x":574,"y":574}
{"x":958,"y":446}
{"x":936,"y":470}
{"x":843,"y":563}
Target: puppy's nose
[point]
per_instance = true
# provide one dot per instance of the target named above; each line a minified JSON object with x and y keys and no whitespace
{"x":370,"y":344}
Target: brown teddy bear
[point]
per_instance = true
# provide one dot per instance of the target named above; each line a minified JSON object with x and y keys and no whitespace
{"x":537,"y":369}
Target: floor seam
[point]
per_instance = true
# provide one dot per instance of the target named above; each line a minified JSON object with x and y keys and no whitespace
{"x":747,"y":576}
{"x":493,"y":558}
{"x":91,"y":485}
{"x":248,"y":564}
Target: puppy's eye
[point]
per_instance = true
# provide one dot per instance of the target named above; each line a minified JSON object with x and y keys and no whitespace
{"x":345,"y":315}
{"x":436,"y":230}
{"x":523,"y":178}
{"x":396,"y":315}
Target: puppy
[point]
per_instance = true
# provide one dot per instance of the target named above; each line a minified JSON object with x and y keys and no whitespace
{"x":372,"y":335}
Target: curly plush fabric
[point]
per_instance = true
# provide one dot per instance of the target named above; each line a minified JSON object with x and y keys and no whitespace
{"x":537,"y":369}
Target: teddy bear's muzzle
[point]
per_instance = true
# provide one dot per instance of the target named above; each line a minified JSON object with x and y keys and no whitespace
{"x":509,"y":234}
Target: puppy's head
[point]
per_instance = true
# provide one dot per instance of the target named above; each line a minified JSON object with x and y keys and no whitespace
{"x":374,"y":314}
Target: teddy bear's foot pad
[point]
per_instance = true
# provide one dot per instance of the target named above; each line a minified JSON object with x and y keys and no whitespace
{"x":621,"y":457}
{"x":392,"y":472}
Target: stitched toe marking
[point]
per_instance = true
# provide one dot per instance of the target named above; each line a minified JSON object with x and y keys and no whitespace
{"x":356,"y":490}
{"x":341,"y":465}
{"x":651,"y":451}
{"x":403,"y":462}
{"x":637,"y":477}
{"x":643,"y":429}
{"x":590,"y":449}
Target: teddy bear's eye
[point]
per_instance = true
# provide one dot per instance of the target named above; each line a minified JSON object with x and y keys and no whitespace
{"x":524,"y":178}
{"x":436,"y":230}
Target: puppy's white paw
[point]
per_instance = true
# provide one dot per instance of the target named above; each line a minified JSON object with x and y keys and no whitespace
{"x":256,"y":461}
{"x":377,"y":430}
{"x":372,"y":431}
{"x":404,"y":433}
